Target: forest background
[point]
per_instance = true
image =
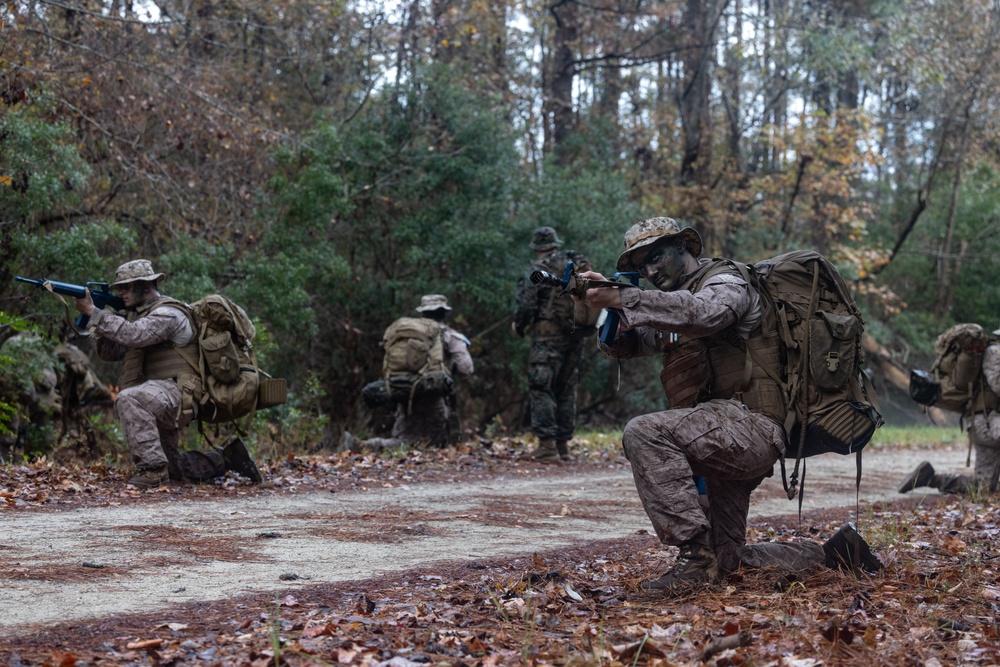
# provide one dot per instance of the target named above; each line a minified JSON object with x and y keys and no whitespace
{"x":326,"y":163}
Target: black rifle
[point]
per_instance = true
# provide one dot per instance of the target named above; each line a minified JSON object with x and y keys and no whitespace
{"x":99,"y":292}
{"x":571,"y":283}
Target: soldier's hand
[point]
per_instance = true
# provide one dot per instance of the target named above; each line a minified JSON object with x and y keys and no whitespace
{"x":84,"y":304}
{"x":600,"y":297}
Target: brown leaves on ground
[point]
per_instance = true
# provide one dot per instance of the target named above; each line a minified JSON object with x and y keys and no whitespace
{"x":44,"y":483}
{"x":935,"y":603}
{"x":930,"y":606}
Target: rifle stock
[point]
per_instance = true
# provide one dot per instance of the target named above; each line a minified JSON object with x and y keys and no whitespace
{"x":99,"y":292}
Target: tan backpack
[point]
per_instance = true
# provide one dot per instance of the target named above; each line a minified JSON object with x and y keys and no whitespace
{"x":832,"y":407}
{"x":232,"y":385}
{"x":958,"y":368}
{"x":414,"y":364}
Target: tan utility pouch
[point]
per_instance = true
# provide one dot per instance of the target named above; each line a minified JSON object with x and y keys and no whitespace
{"x":221,"y":358}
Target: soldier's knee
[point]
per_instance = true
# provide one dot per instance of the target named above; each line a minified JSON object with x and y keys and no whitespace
{"x":634,"y":435}
{"x":126,"y":399}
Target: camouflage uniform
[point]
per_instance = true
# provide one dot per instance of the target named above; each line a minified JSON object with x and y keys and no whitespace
{"x":718,"y":438}
{"x":984,"y":436}
{"x":556,"y":345}
{"x":426,"y":419}
{"x":149,"y":412}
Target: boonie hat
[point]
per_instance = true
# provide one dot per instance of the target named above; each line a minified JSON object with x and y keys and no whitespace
{"x":433,"y":302}
{"x":544,"y":238}
{"x":134,"y":271}
{"x":651,"y":230}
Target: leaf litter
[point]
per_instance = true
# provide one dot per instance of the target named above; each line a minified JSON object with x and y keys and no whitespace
{"x":935,"y":603}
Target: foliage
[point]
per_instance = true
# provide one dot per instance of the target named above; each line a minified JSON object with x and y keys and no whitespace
{"x":41,"y":168}
{"x":324,"y":164}
{"x":29,"y":402}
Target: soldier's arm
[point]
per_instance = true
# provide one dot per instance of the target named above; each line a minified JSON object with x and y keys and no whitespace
{"x":525,"y":306}
{"x":457,"y":346}
{"x":160,"y":325}
{"x":717,"y":305}
{"x":991,"y":367}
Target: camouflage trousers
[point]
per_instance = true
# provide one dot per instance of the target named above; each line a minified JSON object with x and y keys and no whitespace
{"x":984,"y":435}
{"x":734,"y":449}
{"x":553,"y":373}
{"x":426,"y":421}
{"x":150,"y":417}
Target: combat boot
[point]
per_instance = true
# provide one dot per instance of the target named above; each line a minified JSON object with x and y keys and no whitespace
{"x":848,"y":550}
{"x":562,"y":447}
{"x":150,"y":478}
{"x":238,"y":460}
{"x":546,"y":452}
{"x":696,"y":565}
{"x":923,"y":475}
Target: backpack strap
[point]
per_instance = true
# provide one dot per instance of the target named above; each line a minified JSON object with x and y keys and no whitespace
{"x":798,"y":398}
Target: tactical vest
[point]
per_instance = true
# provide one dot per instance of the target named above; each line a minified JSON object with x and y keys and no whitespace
{"x":163,"y":361}
{"x":720,"y":366}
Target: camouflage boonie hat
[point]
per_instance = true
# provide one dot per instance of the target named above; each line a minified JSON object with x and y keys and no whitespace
{"x":433,"y":302}
{"x":134,"y":271}
{"x":651,"y":230}
{"x":544,"y":238}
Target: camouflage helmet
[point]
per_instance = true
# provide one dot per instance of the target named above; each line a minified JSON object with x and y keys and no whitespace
{"x":544,"y":238}
{"x":134,"y":271}
{"x":651,"y":230}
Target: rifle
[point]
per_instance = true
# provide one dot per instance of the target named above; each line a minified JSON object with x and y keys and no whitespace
{"x":99,"y":292}
{"x":573,"y":284}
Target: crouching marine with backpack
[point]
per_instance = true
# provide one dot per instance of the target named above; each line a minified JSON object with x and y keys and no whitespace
{"x":166,"y":382}
{"x":742,"y":383}
{"x":964,"y":379}
{"x":422,"y":356}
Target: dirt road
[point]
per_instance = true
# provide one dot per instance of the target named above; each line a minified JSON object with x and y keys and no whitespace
{"x":101,"y":561}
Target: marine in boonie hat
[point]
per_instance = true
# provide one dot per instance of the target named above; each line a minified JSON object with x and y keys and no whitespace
{"x":651,"y":230}
{"x":134,"y":271}
{"x":433,"y":302}
{"x":544,"y":239}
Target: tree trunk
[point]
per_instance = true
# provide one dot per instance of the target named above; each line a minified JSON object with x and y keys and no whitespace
{"x":946,"y":273}
{"x":559,"y":98}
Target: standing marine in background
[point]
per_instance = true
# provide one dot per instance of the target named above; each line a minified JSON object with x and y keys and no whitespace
{"x":558,"y":327}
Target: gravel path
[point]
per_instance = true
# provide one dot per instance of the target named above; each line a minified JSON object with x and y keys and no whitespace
{"x":101,"y":561}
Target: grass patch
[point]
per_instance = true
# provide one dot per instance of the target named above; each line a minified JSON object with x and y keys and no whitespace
{"x":917,"y":437}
